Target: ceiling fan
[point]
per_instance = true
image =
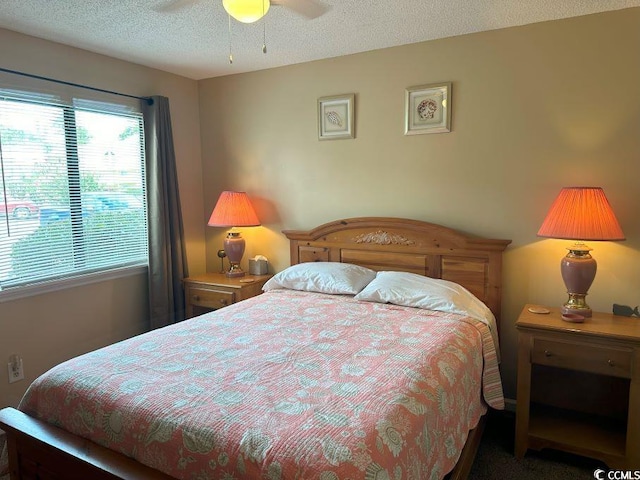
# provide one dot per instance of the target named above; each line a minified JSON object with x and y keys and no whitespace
{"x":307,"y":8}
{"x":249,"y":11}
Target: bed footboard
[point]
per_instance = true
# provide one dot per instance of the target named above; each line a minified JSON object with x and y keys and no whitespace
{"x":38,"y":450}
{"x":41,"y":451}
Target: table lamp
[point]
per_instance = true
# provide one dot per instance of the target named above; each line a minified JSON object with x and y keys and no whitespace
{"x":580,"y":213}
{"x":234,"y":209}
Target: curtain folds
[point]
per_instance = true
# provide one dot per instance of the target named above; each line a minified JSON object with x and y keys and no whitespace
{"x":167,"y":254}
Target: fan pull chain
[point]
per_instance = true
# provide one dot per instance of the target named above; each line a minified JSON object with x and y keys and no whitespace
{"x":230,"y":54}
{"x":264,"y":31}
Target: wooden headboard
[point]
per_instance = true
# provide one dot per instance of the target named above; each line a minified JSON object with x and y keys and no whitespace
{"x":383,"y":243}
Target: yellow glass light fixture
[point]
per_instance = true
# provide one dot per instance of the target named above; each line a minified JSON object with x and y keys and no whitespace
{"x":246,"y":11}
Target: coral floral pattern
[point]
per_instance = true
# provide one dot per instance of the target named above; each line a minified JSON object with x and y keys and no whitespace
{"x":287,"y":385}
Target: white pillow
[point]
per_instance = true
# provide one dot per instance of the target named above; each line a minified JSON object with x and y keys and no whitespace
{"x":323,"y":277}
{"x":412,"y":290}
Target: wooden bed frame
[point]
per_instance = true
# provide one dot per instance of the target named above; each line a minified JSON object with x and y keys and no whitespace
{"x":38,"y":450}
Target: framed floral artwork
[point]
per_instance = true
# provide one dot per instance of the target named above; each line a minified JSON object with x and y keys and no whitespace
{"x":335,"y":117}
{"x":428,"y":109}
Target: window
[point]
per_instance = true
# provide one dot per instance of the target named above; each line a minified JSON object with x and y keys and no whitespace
{"x":72,"y":188}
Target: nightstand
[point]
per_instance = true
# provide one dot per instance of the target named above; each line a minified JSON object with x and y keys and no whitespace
{"x":579,"y":386}
{"x":211,"y":291}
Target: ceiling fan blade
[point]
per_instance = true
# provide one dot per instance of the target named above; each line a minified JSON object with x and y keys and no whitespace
{"x":307,"y":8}
{"x":173,"y":5}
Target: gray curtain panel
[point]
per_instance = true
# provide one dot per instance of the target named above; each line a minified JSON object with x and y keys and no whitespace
{"x":167,"y":256}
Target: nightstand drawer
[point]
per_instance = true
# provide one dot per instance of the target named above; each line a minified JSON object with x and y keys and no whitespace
{"x":583,"y":357}
{"x":202,"y":297}
{"x":211,"y":291}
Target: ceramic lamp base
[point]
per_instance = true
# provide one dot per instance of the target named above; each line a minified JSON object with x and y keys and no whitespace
{"x":578,"y":270}
{"x":234,"y":247}
{"x":576,"y":309}
{"x":234,"y":271}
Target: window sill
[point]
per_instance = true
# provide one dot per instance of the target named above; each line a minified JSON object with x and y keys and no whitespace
{"x":66,"y":283}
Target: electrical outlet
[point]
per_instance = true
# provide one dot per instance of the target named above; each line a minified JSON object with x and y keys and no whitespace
{"x":14,"y":368}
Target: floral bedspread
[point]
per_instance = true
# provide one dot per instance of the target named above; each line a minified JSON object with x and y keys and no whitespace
{"x":287,"y":385}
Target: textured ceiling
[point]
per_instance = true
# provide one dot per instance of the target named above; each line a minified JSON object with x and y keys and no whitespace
{"x":193,"y":40}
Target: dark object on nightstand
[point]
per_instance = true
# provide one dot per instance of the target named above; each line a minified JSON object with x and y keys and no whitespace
{"x":625,"y":310}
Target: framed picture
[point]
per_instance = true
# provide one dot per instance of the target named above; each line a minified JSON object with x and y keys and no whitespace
{"x":335,"y":117}
{"x":428,"y":109}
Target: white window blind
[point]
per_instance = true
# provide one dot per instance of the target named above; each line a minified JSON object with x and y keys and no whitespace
{"x":72,"y":188}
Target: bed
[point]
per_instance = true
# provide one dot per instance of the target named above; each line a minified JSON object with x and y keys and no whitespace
{"x":300,"y":382}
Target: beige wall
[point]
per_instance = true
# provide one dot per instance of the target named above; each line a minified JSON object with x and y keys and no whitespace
{"x":49,"y":328}
{"x":535,"y":108}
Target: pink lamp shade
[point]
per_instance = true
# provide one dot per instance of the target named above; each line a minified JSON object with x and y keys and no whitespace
{"x":580,"y":213}
{"x":234,"y":209}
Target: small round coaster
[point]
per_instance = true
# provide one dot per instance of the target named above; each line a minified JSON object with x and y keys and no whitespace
{"x":539,"y":310}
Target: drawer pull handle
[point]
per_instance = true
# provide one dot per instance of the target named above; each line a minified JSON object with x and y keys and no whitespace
{"x":548,"y":353}
{"x":611,"y":363}
{"x":196,"y":298}
{"x":223,"y":301}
